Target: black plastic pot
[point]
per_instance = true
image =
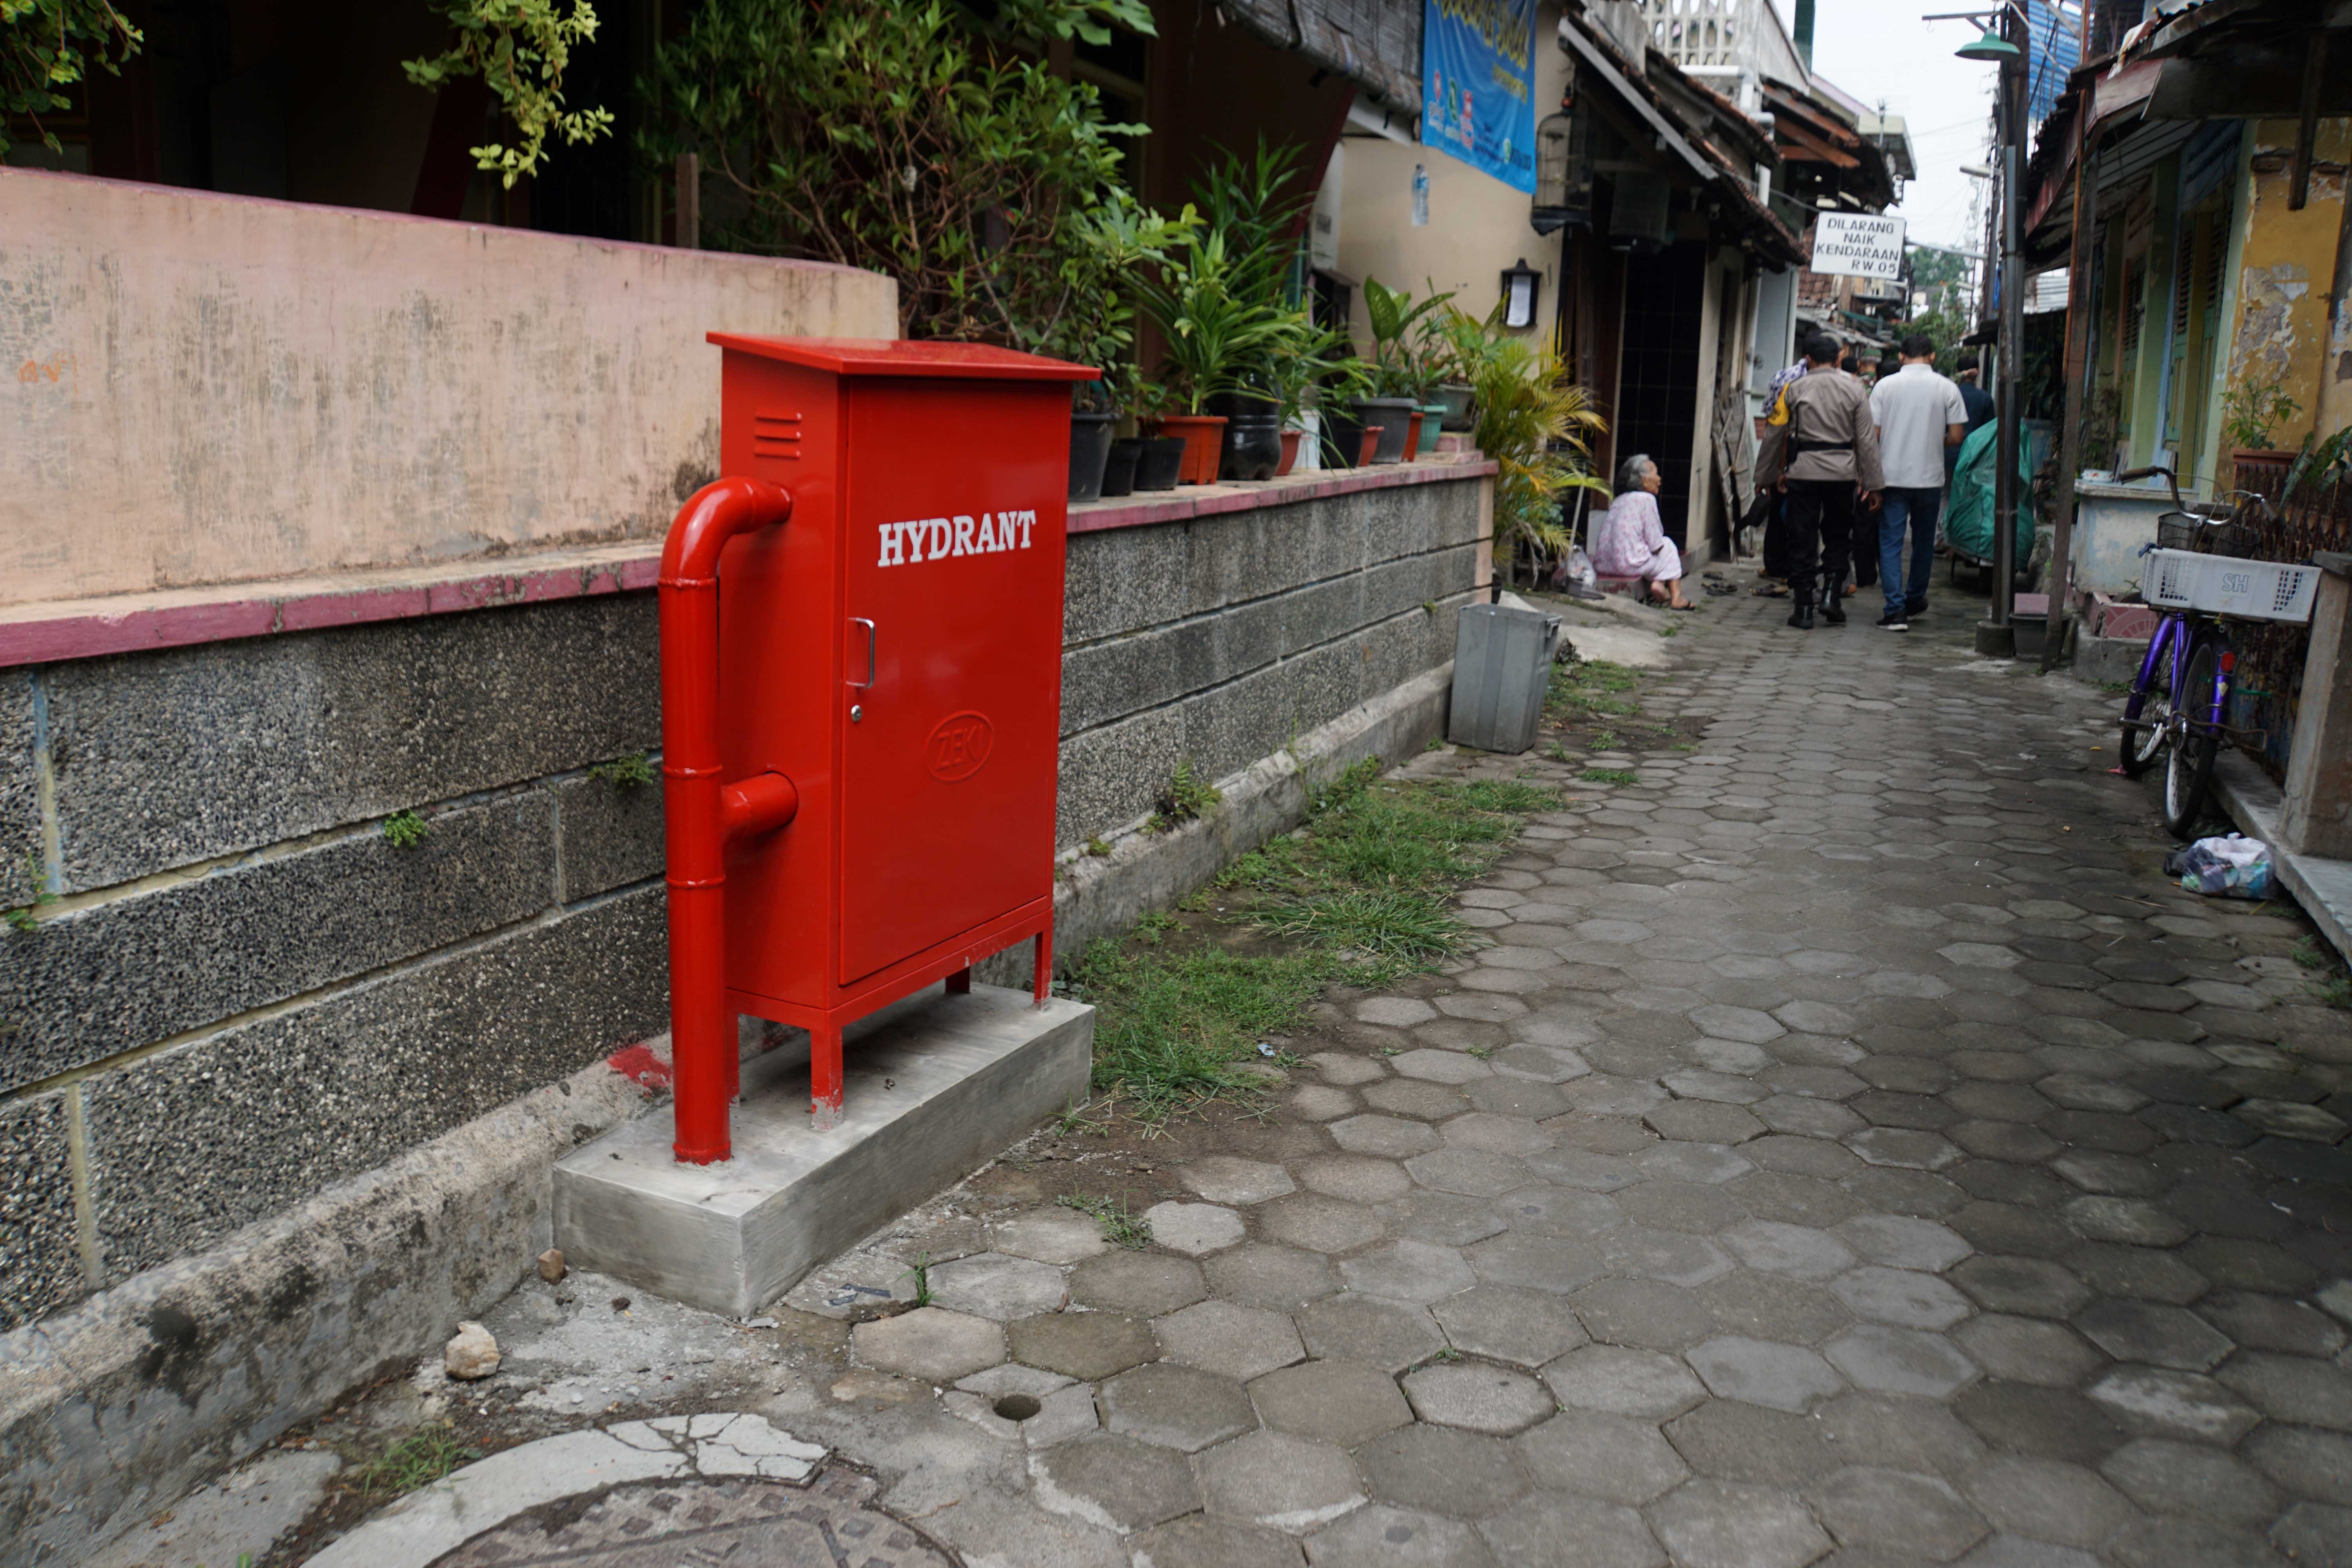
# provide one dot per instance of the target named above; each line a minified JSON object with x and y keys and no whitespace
{"x":1089,"y":449}
{"x":1395,"y":416}
{"x":1119,"y":471}
{"x":1343,"y":436}
{"x":1253,"y":446}
{"x":1162,"y":463}
{"x":1456,"y":398}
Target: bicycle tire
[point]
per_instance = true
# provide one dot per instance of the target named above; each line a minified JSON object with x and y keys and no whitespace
{"x":2139,"y":748}
{"x":2188,"y":771}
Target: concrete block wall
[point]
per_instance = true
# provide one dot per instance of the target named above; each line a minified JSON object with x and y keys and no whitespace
{"x":243,"y":993}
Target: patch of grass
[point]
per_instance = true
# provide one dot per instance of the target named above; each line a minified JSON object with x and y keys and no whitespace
{"x":1558,"y":753}
{"x":2311,"y":954}
{"x":1187,"y":797}
{"x":1407,"y":929}
{"x":1154,"y":927}
{"x":1098,"y":848}
{"x":405,"y":829}
{"x":21,"y":917}
{"x":418,"y":1460}
{"x":1170,"y":1030}
{"x":1605,"y":740}
{"x":1120,"y":1229}
{"x":921,"y":1272}
{"x":625,"y":773}
{"x":1610,"y":776}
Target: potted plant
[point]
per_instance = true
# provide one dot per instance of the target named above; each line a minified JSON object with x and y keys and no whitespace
{"x":1211,"y":332}
{"x":1159,"y":457}
{"x":1294,"y":380}
{"x":1344,"y":385}
{"x":1403,"y":374}
{"x":2251,"y":412}
{"x":1534,"y":423}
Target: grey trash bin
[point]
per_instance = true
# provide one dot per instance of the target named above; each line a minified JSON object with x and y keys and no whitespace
{"x":1502,"y":667}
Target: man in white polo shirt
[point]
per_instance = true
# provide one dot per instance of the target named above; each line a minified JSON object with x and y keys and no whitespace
{"x":1918,"y":414}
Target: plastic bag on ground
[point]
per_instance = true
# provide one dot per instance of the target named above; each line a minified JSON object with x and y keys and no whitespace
{"x":2229,"y":867}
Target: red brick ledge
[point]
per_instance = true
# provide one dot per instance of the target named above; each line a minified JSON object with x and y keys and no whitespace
{"x":183,"y":617}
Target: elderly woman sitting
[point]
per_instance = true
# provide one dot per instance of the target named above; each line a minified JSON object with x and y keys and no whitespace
{"x":1630,"y":541}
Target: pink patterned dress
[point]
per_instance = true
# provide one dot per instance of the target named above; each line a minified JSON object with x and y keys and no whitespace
{"x":1630,"y":541}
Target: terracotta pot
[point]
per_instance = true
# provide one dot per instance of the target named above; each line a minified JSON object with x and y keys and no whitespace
{"x":1205,"y":440}
{"x":2263,"y":458}
{"x":1413,"y":435}
{"x":1289,"y":452}
{"x":1372,"y":434}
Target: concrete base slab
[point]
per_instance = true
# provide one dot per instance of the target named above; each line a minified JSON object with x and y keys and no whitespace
{"x":935,"y":1085}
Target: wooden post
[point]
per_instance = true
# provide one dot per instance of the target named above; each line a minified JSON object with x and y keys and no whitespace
{"x":689,"y":201}
{"x":2081,"y":307}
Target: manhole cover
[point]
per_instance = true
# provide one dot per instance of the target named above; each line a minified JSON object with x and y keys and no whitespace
{"x":741,"y":1524}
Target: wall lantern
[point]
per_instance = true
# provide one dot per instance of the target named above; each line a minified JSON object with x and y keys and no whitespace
{"x":1563,"y":174}
{"x":1522,"y":285}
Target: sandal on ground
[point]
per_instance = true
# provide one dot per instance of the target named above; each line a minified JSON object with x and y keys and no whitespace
{"x":1770,"y":591}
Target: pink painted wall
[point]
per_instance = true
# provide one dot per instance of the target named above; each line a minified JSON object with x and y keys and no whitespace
{"x":204,"y":389}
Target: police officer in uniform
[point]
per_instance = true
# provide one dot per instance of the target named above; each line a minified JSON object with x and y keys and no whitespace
{"x":1821,"y":448}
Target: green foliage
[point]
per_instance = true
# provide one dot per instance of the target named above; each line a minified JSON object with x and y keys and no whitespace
{"x":1534,"y":423}
{"x":419,"y":1460}
{"x":519,"y":48}
{"x":1609,"y":777}
{"x":1408,"y":358}
{"x":1098,"y":848}
{"x":405,"y":829}
{"x":21,"y":918}
{"x":2252,"y":409}
{"x":1120,"y":1229}
{"x":625,"y":773}
{"x":919,"y":140}
{"x":48,"y":45}
{"x":1188,"y":796}
{"x":919,"y":1271}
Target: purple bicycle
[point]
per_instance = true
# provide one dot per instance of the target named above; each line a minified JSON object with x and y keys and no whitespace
{"x":2178,"y":707}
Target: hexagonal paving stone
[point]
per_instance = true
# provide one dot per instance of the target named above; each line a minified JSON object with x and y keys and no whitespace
{"x":1280,"y":1480}
{"x":1869,"y":1507}
{"x":1316,"y":1224}
{"x":2024,"y":1350}
{"x":1280,"y":1278}
{"x":1388,"y":1334}
{"x":2159,"y":1335}
{"x":1408,"y":1271}
{"x":2169,"y":1477}
{"x":1479,"y":1397}
{"x":1722,"y":1524}
{"x":1116,"y":1483}
{"x":1902,"y":1296}
{"x":1234,"y":1340}
{"x":1088,"y":1346}
{"x":1416,"y":1098}
{"x":1195,"y":1228}
{"x":1496,"y":1134}
{"x":2036,"y":1499}
{"x":1618,"y":1381}
{"x":1340,"y":1401}
{"x":1222,"y":1179}
{"x":1703,"y":1121}
{"x":1346,"y":1070}
{"x":1900,"y":1360}
{"x":2029,"y":1287}
{"x":1397,"y":1012}
{"x":2131,"y":1221}
{"x":1440,"y":1067}
{"x":1410,"y":1538}
{"x":1553,"y":1527}
{"x":1145,"y":1284}
{"x":1650,"y":1313}
{"x":1176,"y":1406}
{"x":2159,"y":1403}
{"x":1798,"y":1250}
{"x":1473,"y":1172}
{"x":1904,"y":1147}
{"x":1764,"y":1371}
{"x":991,"y":1284}
{"x":1606,"y":1456}
{"x":1356,"y":1178}
{"x":1391,"y":1137}
{"x":1527,"y":1327}
{"x":1055,"y":1236}
{"x":1443,"y":1470}
{"x":931,"y":1343}
{"x":1901,"y":1241}
{"x":1205,"y":1541}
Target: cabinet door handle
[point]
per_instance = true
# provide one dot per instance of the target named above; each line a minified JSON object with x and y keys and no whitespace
{"x":862,"y":621}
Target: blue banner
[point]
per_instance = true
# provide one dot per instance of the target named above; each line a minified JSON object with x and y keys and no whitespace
{"x":1477,"y":85}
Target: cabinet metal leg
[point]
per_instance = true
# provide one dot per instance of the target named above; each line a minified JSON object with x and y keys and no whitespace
{"x":824,"y":1077}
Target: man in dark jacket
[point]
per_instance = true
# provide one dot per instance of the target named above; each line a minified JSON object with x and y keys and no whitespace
{"x":1821,"y":446}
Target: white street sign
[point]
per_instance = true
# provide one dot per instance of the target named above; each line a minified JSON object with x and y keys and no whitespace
{"x":1859,"y":245}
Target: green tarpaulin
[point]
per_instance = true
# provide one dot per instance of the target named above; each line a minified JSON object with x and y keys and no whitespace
{"x":1968,"y":511}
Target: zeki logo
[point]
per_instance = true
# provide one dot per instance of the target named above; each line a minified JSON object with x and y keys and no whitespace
{"x":937,"y":538}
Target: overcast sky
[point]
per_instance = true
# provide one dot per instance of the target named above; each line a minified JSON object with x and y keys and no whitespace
{"x":1879,"y":51}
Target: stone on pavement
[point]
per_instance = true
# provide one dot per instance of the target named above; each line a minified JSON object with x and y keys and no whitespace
{"x":931,"y":1343}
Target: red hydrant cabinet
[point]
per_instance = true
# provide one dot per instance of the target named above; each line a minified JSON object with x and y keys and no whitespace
{"x":892,"y":649}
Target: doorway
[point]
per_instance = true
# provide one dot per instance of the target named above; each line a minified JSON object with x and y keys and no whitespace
{"x":1657,"y":385}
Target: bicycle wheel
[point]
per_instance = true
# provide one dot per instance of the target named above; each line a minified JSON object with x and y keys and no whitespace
{"x":2189,"y":769}
{"x":2152,"y":703}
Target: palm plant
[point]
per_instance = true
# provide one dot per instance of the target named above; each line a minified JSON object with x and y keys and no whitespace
{"x":1201,"y":302}
{"x":1535,"y":423}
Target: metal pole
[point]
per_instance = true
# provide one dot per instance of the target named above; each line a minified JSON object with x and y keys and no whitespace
{"x":1996,"y":637}
{"x":2079,"y":307}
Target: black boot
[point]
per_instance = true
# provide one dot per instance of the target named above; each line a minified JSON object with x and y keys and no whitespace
{"x":1829,"y":611}
{"x":1802,"y":617}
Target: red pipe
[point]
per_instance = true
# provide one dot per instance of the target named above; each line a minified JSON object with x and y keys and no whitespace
{"x":698,"y":813}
